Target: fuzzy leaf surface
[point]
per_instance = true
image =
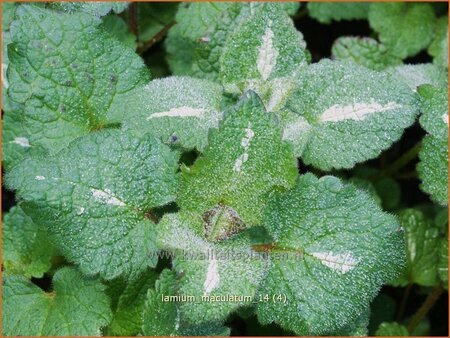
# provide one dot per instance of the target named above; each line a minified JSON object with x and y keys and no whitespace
{"x":420,"y":74}
{"x":179,"y":110}
{"x":95,"y":8}
{"x":422,"y":249}
{"x":348,"y":248}
{"x":366,"y":52}
{"x":244,"y":161}
{"x":129,"y":301}
{"x":210,"y":269}
{"x":433,"y":165}
{"x":325,"y":12}
{"x":77,"y":306}
{"x":343,"y":114}
{"x":94,"y":197}
{"x":405,"y":28}
{"x":263,"y":54}
{"x":26,"y":249}
{"x":68,"y":74}
{"x":439,"y":46}
{"x":163,"y":318}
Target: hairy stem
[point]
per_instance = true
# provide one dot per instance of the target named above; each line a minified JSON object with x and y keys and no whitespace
{"x":426,"y":306}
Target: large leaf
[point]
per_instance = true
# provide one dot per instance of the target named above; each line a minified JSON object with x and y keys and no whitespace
{"x":433,"y":165}
{"x":179,"y":110}
{"x":347,"y":248}
{"x":77,"y":306}
{"x":95,"y":196}
{"x":26,"y":248}
{"x":69,"y":75}
{"x":405,"y":28}
{"x":243,"y":162}
{"x":343,"y":114}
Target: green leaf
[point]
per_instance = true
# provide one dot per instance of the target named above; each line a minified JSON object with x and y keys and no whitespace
{"x":433,"y":165}
{"x":77,"y":306}
{"x":215,"y":263}
{"x":163,"y":317}
{"x":264,"y":54}
{"x":69,"y":75}
{"x":348,"y":248}
{"x":97,"y":8}
{"x":346,"y":114}
{"x":244,"y":161}
{"x":194,"y":20}
{"x":127,"y":318}
{"x":26,"y":248}
{"x":178,"y":110}
{"x":420,"y":74}
{"x":325,"y":12}
{"x":392,"y":329}
{"x":94,"y":198}
{"x":422,"y":247}
{"x":443,"y":262}
{"x":117,"y":27}
{"x":438,"y":48}
{"x":405,"y":28}
{"x":195,"y":44}
{"x":366,"y":52}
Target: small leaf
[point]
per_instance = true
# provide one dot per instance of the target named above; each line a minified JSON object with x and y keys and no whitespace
{"x":68,"y":75}
{"x":244,"y":161}
{"x":392,"y":330}
{"x":179,"y":110}
{"x":127,"y":318}
{"x":438,"y":48}
{"x":163,"y":318}
{"x":433,"y":165}
{"x":422,"y":247}
{"x":405,"y":28}
{"x":194,"y":22}
{"x":346,"y":114}
{"x":77,"y":306}
{"x":263,"y":54}
{"x":366,"y":52}
{"x":26,"y":248}
{"x":94,"y":196}
{"x":210,"y":271}
{"x":325,"y":12}
{"x":349,"y":249}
